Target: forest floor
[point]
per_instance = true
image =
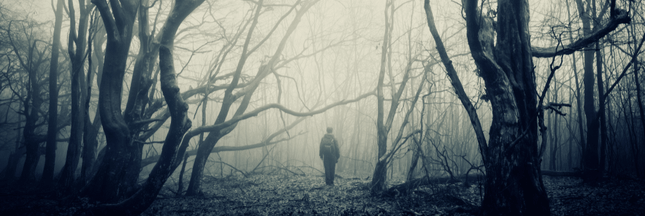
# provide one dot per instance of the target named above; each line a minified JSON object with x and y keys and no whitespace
{"x":307,"y":195}
{"x":287,"y":194}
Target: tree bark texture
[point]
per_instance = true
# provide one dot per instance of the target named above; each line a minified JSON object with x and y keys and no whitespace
{"x":173,"y":149}
{"x":108,"y":185}
{"x":513,"y":181}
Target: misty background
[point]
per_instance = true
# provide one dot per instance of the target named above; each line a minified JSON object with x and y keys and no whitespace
{"x":332,"y":56}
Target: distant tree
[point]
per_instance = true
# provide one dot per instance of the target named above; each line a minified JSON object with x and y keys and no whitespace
{"x":50,"y":149}
{"x":221,"y":126}
{"x":78,"y":55}
{"x":384,"y":123}
{"x":31,"y":53}
{"x":96,"y":37}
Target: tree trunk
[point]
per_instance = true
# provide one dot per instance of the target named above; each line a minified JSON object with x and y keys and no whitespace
{"x":180,"y":183}
{"x":90,"y":135}
{"x":90,"y":139}
{"x":630,"y":125}
{"x":200,"y":161}
{"x":135,"y":109}
{"x":205,"y":147}
{"x":32,"y":109}
{"x":9,"y":173}
{"x":380,"y":169}
{"x":577,"y":95}
{"x":554,"y":140}
{"x":513,"y":181}
{"x":601,"y":111}
{"x":76,"y":39}
{"x":52,"y":127}
{"x":173,"y":149}
{"x":31,"y":155}
{"x":641,"y":111}
{"x":109,"y":184}
{"x":591,"y":149}
{"x":416,"y":153}
{"x":216,"y":133}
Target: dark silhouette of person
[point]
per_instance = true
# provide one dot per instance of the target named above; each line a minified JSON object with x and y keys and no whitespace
{"x":329,"y":153}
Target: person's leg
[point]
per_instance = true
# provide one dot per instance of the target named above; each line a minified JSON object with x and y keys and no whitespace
{"x":328,"y":166}
{"x":332,"y":172}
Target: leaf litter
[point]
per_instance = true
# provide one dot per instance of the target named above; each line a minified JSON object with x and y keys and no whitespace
{"x":288,"y":194}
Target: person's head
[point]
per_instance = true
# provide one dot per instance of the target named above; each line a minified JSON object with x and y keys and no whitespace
{"x":329,"y":129}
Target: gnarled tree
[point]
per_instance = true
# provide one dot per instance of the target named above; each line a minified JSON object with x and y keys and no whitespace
{"x":513,"y":177}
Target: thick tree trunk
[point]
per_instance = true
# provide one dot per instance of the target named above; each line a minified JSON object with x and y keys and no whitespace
{"x":513,"y":181}
{"x":173,"y":149}
{"x":111,"y":180}
{"x":138,"y":95}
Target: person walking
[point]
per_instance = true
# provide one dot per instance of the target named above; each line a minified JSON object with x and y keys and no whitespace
{"x":329,"y":153}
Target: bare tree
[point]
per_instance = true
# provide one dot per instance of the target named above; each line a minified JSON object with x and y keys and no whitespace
{"x":113,"y":179}
{"x":172,"y":152}
{"x":383,"y":123}
{"x":31,"y":56}
{"x":50,"y":151}
{"x":511,"y":157}
{"x":77,"y":40}
{"x":222,"y":126}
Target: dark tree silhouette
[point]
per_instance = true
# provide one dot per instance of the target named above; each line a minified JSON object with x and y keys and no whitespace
{"x":50,"y":151}
{"x":513,"y":177}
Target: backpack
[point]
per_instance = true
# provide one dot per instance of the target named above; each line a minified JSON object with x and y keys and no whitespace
{"x":327,"y":146}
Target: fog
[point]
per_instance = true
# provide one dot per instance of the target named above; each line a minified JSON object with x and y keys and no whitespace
{"x":323,"y":72}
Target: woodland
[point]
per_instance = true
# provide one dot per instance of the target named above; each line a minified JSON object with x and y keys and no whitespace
{"x":217,"y":107}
